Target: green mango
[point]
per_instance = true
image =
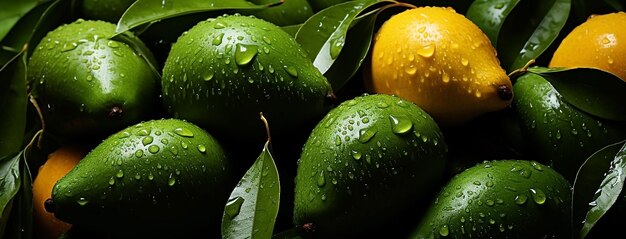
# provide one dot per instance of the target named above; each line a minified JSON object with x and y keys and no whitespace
{"x":319,"y":5}
{"x":224,"y":71}
{"x":367,"y":162}
{"x":290,"y":12}
{"x":557,"y":133}
{"x":158,"y":178}
{"x":500,"y":199}
{"x":87,"y":84}
{"x":105,"y":10}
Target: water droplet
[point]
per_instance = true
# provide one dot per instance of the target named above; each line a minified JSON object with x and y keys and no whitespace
{"x":209,"y":76}
{"x":382,"y":105}
{"x":464,"y":61}
{"x":69,"y":46}
{"x":82,"y":201}
{"x":150,"y":177}
{"x":400,"y":124}
{"x":219,"y":25}
{"x":153,"y":149}
{"x":171,"y":181}
{"x":112,"y":181}
{"x":267,"y":40}
{"x":356,"y":155}
{"x":536,"y":165}
{"x":201,"y":148}
{"x":217,"y":40}
{"x":137,"y":176}
{"x":119,"y":174}
{"x":113,"y":44}
{"x":291,"y":71}
{"x":139,"y":153}
{"x":233,"y":206}
{"x":183,"y":132}
{"x":444,"y":231}
{"x":335,"y":47}
{"x":147,"y":140}
{"x":520,"y":199}
{"x":538,"y":196}
{"x":427,"y":50}
{"x":490,"y":202}
{"x":321,"y":180}
{"x":445,"y":78}
{"x":245,"y":53}
{"x":366,"y":135}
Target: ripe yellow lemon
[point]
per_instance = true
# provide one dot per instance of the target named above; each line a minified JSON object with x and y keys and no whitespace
{"x":599,"y":42}
{"x":59,"y":163}
{"x":442,"y":62}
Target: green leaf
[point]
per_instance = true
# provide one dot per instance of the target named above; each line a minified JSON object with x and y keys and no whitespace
{"x":608,"y":193}
{"x":147,"y":11}
{"x":292,"y":233}
{"x":20,"y":224}
{"x":594,"y":91}
{"x":253,"y":205}
{"x":353,"y":54}
{"x":529,"y":29}
{"x":616,"y":4}
{"x":588,"y":179}
{"x":11,"y":12}
{"x":13,"y":104}
{"x":141,"y":49}
{"x":489,"y":16}
{"x":292,"y":30}
{"x":324,"y":34}
{"x":10,"y":183}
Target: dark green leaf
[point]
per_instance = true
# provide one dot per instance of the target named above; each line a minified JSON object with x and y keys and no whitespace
{"x":529,"y":29}
{"x":292,"y":30}
{"x":11,"y":12}
{"x":323,"y":35}
{"x":10,"y":183}
{"x":146,"y":11}
{"x":20,"y":224}
{"x":489,"y":16}
{"x":588,"y":179}
{"x":594,"y":91}
{"x":253,"y":205}
{"x":617,"y":5}
{"x":608,"y":193}
{"x":354,"y":52}
{"x":13,"y":104}
{"x":141,"y":49}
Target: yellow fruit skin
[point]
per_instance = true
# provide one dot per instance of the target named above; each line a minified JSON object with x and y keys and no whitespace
{"x":59,"y":163}
{"x":442,"y":62}
{"x":599,"y":42}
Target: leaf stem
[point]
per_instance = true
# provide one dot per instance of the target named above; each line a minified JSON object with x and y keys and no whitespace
{"x":522,"y":70}
{"x":43,"y":122}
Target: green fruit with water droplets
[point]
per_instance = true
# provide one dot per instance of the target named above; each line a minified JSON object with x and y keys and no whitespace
{"x":89,"y":85}
{"x":368,"y":161}
{"x":500,"y":199}
{"x":156,"y":178}
{"x":556,"y":132}
{"x":224,"y":71}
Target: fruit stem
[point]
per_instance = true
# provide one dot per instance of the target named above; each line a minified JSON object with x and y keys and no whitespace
{"x":399,"y":4}
{"x":522,"y":70}
{"x":267,"y":127}
{"x":116,"y":112}
{"x":43,"y":122}
{"x":49,"y":205}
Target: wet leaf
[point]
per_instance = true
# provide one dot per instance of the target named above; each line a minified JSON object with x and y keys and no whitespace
{"x":588,"y":178}
{"x":11,"y":12}
{"x":292,"y":30}
{"x":594,"y":91}
{"x":10,"y":183}
{"x":20,"y":221}
{"x":253,"y":205}
{"x":489,"y":15}
{"x":353,"y":54}
{"x":147,"y":11}
{"x":13,"y":104}
{"x":609,"y":191}
{"x":141,"y":49}
{"x":323,"y":35}
{"x":528,"y":30}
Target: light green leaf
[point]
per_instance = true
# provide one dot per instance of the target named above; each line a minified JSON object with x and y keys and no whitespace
{"x":10,"y":13}
{"x":10,"y":183}
{"x":292,"y":30}
{"x":253,"y":205}
{"x":147,"y":11}
{"x":608,"y":193}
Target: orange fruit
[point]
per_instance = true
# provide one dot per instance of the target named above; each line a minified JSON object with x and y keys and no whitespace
{"x":59,"y":163}
{"x":442,"y":62}
{"x":599,"y":42}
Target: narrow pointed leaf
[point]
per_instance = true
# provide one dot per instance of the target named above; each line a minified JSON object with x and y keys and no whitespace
{"x":146,"y":11}
{"x":323,"y":35}
{"x":253,"y":205}
{"x":588,"y":179}
{"x":20,"y":224}
{"x":529,"y":29}
{"x":610,"y":189}
{"x":11,"y":12}
{"x":13,"y":104}
{"x":594,"y":91}
{"x":489,"y":16}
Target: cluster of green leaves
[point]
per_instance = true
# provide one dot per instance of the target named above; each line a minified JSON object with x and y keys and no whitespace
{"x":521,"y":31}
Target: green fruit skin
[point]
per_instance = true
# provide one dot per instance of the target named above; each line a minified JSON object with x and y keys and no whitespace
{"x":78,"y":76}
{"x":290,"y":12}
{"x":207,"y":80}
{"x":161,"y":177}
{"x":348,"y":183}
{"x":500,"y":199}
{"x":105,"y":10}
{"x":557,"y":133}
{"x":319,"y":5}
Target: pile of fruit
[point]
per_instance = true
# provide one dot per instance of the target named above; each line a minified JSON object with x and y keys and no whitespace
{"x":312,"y":119}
